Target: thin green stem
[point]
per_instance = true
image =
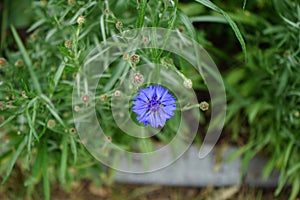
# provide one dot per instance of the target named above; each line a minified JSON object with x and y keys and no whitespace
{"x":141,"y":13}
{"x":170,"y":27}
{"x":190,"y":107}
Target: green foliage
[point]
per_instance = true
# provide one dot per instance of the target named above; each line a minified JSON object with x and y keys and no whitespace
{"x":37,"y":130}
{"x":264,"y":95}
{"x":37,"y":80}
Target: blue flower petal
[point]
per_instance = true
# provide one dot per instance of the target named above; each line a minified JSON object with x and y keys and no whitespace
{"x":154,"y":105}
{"x":144,"y":118}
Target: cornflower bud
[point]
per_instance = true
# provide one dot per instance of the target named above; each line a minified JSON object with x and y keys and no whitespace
{"x":80,"y":20}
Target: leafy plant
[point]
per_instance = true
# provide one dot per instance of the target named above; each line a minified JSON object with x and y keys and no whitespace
{"x":264,"y":95}
{"x":38,"y":70}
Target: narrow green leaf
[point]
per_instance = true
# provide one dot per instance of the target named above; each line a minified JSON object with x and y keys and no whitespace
{"x":27,"y":60}
{"x":293,"y":169}
{"x":187,"y":22}
{"x":73,"y":149}
{"x":8,"y":120}
{"x":116,"y":75}
{"x":288,"y":154}
{"x":281,"y":183}
{"x":283,"y":82}
{"x":79,"y":12}
{"x":209,"y":18}
{"x":46,"y":182}
{"x":141,"y":13}
{"x":269,"y":167}
{"x":63,"y":160}
{"x":58,"y":74}
{"x":240,"y":151}
{"x":36,"y":25}
{"x":36,"y":168}
{"x":253,"y":111}
{"x":244,"y":4}
{"x":51,"y":108}
{"x":295,"y":189}
{"x":55,"y":115}
{"x":102,"y":28}
{"x":234,"y":27}
{"x":29,"y":143}
{"x":15,"y":157}
{"x":30,"y":122}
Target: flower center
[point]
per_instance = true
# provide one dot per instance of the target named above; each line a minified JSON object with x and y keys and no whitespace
{"x":154,"y":105}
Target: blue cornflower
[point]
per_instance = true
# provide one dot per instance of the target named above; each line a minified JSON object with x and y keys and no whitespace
{"x":155,"y":105}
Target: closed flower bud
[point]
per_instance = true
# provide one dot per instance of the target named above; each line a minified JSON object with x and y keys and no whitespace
{"x":85,"y":98}
{"x":134,"y":59}
{"x":76,"y":108}
{"x":145,"y":40}
{"x":66,"y":114}
{"x":80,"y":20}
{"x":67,"y":44}
{"x":181,"y":29}
{"x":51,"y":123}
{"x":19,"y":63}
{"x":74,"y":75}
{"x":126,"y":56}
{"x":103,"y":97}
{"x":204,"y":106}
{"x":188,"y":83}
{"x":72,"y":130}
{"x":106,"y":11}
{"x":2,"y":62}
{"x":108,"y":139}
{"x":24,"y":94}
{"x":119,"y":25}
{"x":117,"y":93}
{"x":137,"y":79}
